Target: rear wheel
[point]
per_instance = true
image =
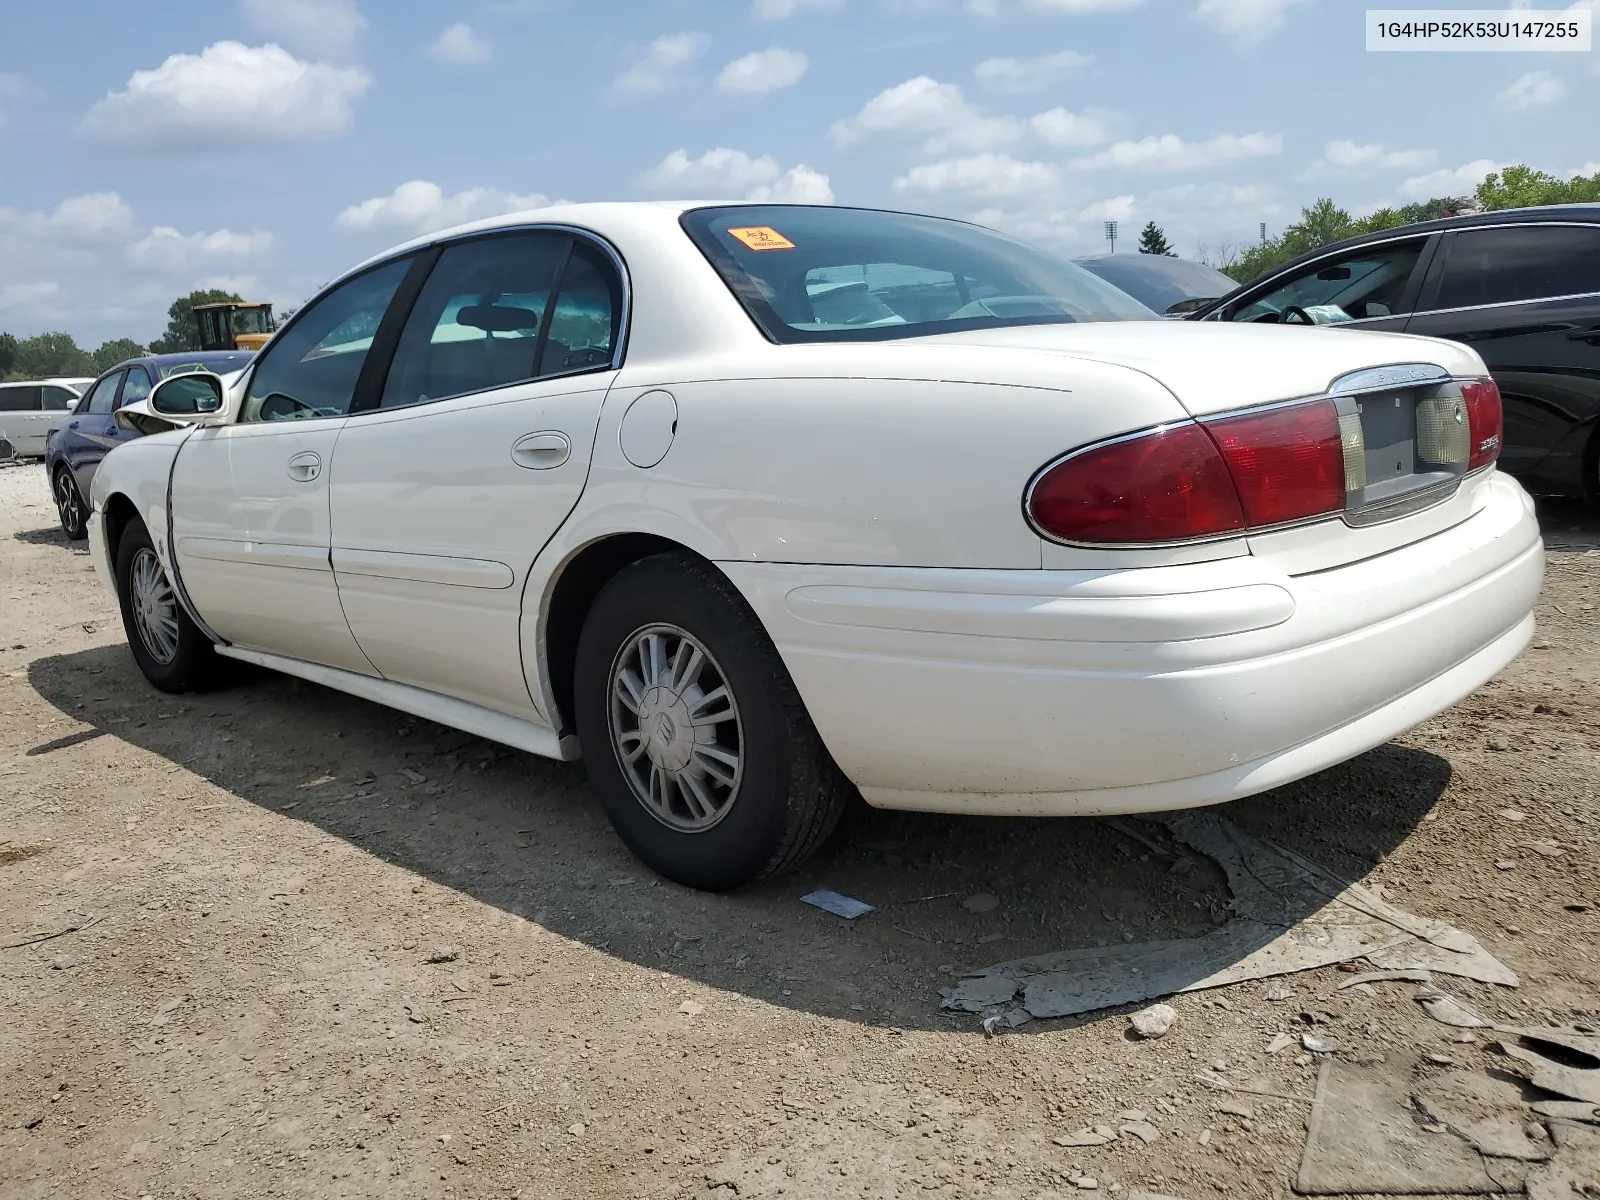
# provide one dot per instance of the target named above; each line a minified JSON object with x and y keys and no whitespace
{"x":166,"y":643}
{"x":696,"y":741}
{"x":73,"y":511}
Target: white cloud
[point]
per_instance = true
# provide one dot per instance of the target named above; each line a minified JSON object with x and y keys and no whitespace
{"x":1019,"y":75}
{"x":1246,"y":21}
{"x":1347,"y":157}
{"x":94,"y":215}
{"x":662,"y":64}
{"x":1536,"y":89}
{"x":1169,"y":152}
{"x":724,"y":173}
{"x":925,"y":106}
{"x":28,"y":295}
{"x":459,"y":44}
{"x":228,"y":95}
{"x":988,"y":176}
{"x":1587,"y":169}
{"x":780,"y":10}
{"x":797,"y":185}
{"x":421,"y":206}
{"x":1058,"y":127}
{"x":165,"y":248}
{"x":316,"y":28}
{"x":1458,"y":182}
{"x":763,"y":71}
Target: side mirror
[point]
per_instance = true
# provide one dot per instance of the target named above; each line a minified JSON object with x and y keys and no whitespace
{"x":187,"y":398}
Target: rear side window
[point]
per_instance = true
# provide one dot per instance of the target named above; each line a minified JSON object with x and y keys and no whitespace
{"x":19,"y":399}
{"x":136,"y":388}
{"x":484,"y":319}
{"x":1527,"y":262}
{"x":102,"y":398}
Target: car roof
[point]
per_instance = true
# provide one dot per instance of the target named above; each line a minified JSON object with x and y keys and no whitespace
{"x":1583,"y":213}
{"x":54,"y":379}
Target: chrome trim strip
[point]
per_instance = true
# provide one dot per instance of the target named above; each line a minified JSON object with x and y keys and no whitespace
{"x":424,"y":568}
{"x":257,"y":554}
{"x":1428,"y":312}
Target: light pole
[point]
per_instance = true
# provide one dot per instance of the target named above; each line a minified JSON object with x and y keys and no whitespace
{"x":1263,"y":233}
{"x":1111,"y":235}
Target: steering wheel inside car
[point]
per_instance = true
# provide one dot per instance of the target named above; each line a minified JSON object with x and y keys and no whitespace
{"x":281,"y":407}
{"x":1287,"y":316}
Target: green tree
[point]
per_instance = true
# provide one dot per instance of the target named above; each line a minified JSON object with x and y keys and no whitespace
{"x":8,"y":353}
{"x":52,"y":354}
{"x":181,"y":334}
{"x":113,"y":352}
{"x":1153,"y":241}
{"x":1523,"y":187}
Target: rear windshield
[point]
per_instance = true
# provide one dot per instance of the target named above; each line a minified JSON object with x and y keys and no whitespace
{"x":813,"y":274}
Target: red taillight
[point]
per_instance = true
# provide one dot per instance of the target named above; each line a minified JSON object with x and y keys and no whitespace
{"x":1160,"y":486}
{"x":1287,"y":462}
{"x":1197,"y":480}
{"x":1484,"y":419}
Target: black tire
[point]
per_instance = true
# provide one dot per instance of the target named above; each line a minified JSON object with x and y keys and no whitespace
{"x":74,"y":513}
{"x":188,"y":664}
{"x":788,"y":793}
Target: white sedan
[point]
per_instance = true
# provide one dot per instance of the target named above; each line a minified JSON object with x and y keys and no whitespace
{"x":752,"y":506}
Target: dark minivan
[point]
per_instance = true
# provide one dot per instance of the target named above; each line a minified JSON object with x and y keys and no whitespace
{"x":1521,"y":287}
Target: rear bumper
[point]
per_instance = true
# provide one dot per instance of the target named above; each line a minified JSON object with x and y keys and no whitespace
{"x":1079,"y":692}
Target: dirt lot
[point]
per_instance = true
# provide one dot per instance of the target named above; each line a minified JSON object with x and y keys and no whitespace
{"x":270,"y":868}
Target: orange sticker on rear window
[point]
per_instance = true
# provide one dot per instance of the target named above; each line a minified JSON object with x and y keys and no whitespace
{"x":762,"y":237}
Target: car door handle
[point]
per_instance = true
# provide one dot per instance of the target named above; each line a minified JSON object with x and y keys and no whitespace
{"x":305,"y":466}
{"x":1590,"y":335}
{"x":72,"y":424}
{"x":541,"y":451}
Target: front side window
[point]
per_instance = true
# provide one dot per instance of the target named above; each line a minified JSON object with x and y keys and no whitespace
{"x":102,"y":398}
{"x":136,"y":388}
{"x":1528,"y":262}
{"x":19,"y":399}
{"x":823,"y":274}
{"x":312,"y":368}
{"x":59,"y":399}
{"x":1358,"y":286}
{"x":251,"y":320}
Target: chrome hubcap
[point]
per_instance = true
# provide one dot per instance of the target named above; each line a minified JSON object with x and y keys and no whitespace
{"x":155,"y":608}
{"x":675,"y":728}
{"x":67,"y":499}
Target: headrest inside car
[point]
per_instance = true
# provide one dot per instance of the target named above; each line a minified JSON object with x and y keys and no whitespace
{"x":492,"y":318}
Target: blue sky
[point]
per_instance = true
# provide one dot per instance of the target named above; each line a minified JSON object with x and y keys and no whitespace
{"x":267,"y":145}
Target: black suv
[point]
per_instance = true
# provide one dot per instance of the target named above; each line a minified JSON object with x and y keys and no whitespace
{"x":1521,"y":287}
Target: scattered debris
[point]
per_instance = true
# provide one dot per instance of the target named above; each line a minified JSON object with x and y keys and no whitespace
{"x":1568,"y":1110}
{"x":413,"y":776}
{"x":1153,"y":1022}
{"x":63,"y":962}
{"x":1142,"y":1130}
{"x":1512,"y":814}
{"x":442,"y":954}
{"x":1280,"y":1043}
{"x":839,"y":906}
{"x":1290,"y":915}
{"x":1364,"y":1138}
{"x":982,"y":902}
{"x":33,"y":939}
{"x":1574,"y":1168}
{"x":1445,"y":1008}
{"x":163,"y":1014}
{"x":1235,"y":1108}
{"x":1089,"y":1135}
{"x":691,"y":1008}
{"x":1481,"y":1110}
{"x":1318,"y":1045}
{"x":1278,"y":993}
{"x":1010,"y":1018}
{"x":1505,"y":864}
{"x":1385,"y":977}
{"x":1554,"y":1055}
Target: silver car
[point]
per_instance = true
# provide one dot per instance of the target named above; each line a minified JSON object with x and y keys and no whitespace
{"x":29,"y":407}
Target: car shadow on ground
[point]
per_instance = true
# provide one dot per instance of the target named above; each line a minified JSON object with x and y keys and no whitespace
{"x":524,"y":835}
{"x":51,"y":536}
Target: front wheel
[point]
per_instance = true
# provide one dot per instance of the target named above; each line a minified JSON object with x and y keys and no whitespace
{"x":696,"y":741}
{"x":166,"y":643}
{"x":70,"y":507}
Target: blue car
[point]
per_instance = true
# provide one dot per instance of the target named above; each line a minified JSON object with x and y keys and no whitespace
{"x":80,"y":439}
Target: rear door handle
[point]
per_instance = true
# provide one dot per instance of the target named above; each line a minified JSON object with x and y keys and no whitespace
{"x":541,"y":451}
{"x":305,"y":466}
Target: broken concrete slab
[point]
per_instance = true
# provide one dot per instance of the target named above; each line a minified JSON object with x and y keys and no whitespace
{"x":1564,"y":1062}
{"x":1481,"y":1110}
{"x":1574,"y":1168}
{"x":1447,"y":1010}
{"x":1365,"y":1138}
{"x":1292,"y":915}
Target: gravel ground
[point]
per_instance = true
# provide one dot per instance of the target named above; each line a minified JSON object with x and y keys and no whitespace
{"x":333,"y":951}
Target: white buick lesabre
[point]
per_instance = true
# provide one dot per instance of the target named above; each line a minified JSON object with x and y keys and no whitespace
{"x":754,"y":503}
